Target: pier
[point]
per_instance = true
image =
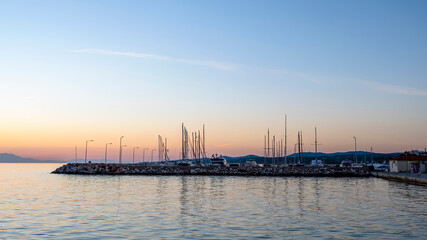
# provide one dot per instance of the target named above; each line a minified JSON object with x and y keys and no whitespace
{"x":243,"y":170}
{"x":410,"y":178}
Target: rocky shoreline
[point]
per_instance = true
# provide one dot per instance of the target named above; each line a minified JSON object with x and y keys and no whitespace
{"x":243,"y":170}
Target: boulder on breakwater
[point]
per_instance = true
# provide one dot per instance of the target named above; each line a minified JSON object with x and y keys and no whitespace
{"x":279,"y":170}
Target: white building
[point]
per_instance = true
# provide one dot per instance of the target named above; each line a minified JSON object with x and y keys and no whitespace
{"x":413,"y":162}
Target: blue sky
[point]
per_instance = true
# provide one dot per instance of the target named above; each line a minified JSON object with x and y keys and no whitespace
{"x":72,"y":70}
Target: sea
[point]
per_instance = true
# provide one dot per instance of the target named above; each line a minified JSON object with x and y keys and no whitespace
{"x":35,"y":204}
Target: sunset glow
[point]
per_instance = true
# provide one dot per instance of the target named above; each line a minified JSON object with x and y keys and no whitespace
{"x":76,"y":70}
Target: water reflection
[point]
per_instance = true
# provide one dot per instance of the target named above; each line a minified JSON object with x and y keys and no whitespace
{"x":36,"y":204}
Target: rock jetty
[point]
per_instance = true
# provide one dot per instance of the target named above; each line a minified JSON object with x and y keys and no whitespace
{"x":243,"y":170}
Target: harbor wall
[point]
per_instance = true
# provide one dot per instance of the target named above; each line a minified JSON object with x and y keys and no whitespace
{"x":412,"y":178}
{"x":140,"y":169}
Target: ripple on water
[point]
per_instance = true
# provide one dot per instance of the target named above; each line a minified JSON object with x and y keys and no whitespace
{"x":36,"y":204}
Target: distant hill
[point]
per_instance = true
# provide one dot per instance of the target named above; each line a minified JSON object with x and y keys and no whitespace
{"x":12,"y":158}
{"x":329,"y":158}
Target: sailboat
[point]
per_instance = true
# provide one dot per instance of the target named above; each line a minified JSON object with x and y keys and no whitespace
{"x":316,"y":162}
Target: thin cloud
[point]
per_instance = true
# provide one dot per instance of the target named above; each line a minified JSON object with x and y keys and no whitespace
{"x":282,"y":73}
{"x":211,"y":64}
{"x":297,"y":75}
{"x":395,"y":89}
{"x":223,"y":145}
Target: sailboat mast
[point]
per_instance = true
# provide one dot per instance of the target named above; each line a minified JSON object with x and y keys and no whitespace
{"x":299,"y":148}
{"x":268,"y":143}
{"x":315,"y":140}
{"x":182,"y":142}
{"x":286,"y":140}
{"x":204,"y":142}
{"x":302,"y":149}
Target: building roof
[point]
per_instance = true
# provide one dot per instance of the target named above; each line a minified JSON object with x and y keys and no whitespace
{"x":406,"y":156}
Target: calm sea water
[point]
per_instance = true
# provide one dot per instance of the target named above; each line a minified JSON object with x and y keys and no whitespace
{"x":37,"y":204}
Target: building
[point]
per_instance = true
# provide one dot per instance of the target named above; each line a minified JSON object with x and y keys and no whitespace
{"x":413,"y":161}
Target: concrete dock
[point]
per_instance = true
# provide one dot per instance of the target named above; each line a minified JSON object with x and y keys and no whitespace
{"x":411,"y":178}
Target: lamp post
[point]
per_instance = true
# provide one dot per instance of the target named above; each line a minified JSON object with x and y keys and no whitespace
{"x":143,"y":154}
{"x":355,"y":150}
{"x":120,"y":150}
{"x":106,"y":151}
{"x":133,"y":155}
{"x":86,"y":150}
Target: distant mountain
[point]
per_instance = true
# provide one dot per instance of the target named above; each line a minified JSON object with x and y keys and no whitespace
{"x":12,"y":158}
{"x":242,"y":157}
{"x":329,"y":158}
{"x":343,"y":154}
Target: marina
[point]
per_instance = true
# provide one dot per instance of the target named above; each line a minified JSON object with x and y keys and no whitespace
{"x":213,"y":120}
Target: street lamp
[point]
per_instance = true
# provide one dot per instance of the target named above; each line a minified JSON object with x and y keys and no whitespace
{"x":143,"y":154}
{"x":86,"y":150}
{"x":120,"y":151}
{"x":133,"y":156}
{"x":355,"y":150}
{"x":106,"y":151}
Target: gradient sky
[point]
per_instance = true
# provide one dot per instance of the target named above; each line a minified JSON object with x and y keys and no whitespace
{"x":77,"y":70}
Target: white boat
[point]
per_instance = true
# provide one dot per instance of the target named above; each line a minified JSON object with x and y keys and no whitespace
{"x":184,"y":163}
{"x":346,"y":163}
{"x":251,"y":163}
{"x":317,"y":162}
{"x":218,"y":161}
{"x":380,"y":167}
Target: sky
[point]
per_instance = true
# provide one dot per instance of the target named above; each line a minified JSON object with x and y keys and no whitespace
{"x":71,"y":71}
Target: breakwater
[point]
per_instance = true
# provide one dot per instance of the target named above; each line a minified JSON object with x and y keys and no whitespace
{"x":243,"y":170}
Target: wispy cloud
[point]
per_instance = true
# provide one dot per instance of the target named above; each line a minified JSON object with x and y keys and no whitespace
{"x":298,"y":76}
{"x":283,"y":74}
{"x":211,"y":64}
{"x":395,"y":89}
{"x":223,"y":145}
